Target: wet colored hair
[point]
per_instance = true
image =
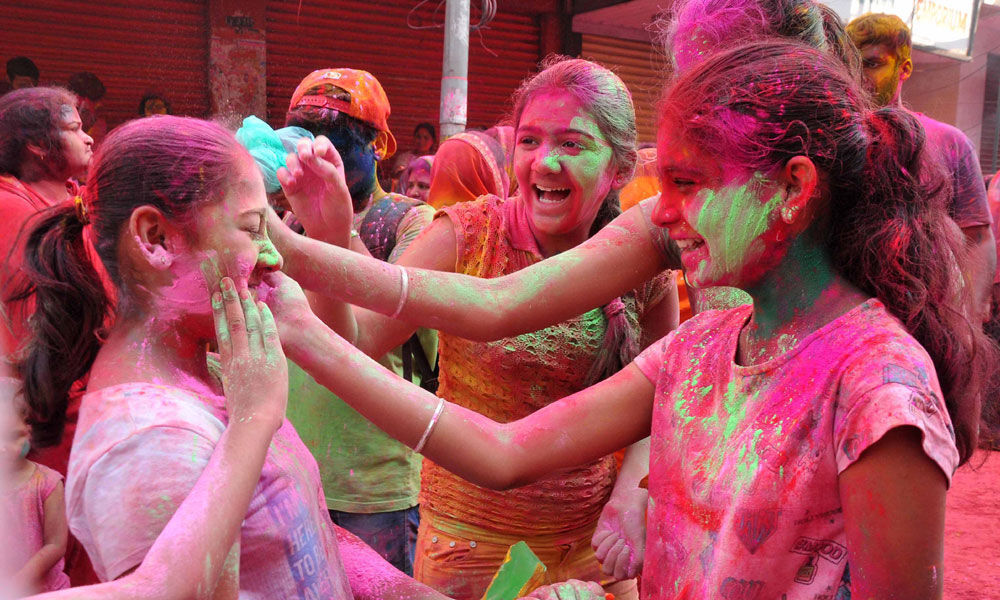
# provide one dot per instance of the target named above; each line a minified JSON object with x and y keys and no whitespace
{"x":608,"y":101}
{"x":174,"y":164}
{"x":22,"y":66}
{"x":761,"y":104}
{"x":695,"y":29}
{"x":879,"y":28}
{"x":333,"y":124}
{"x":32,"y":116}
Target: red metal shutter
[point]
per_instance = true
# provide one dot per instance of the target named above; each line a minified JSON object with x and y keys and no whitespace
{"x":132,"y":47}
{"x":407,"y":62}
{"x":641,"y":67}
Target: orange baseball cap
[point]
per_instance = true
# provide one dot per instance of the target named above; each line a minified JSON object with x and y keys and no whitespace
{"x":365,"y":100}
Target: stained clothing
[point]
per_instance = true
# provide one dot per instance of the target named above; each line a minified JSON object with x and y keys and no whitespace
{"x":952,"y":152}
{"x":139,"y":450}
{"x":505,"y":380}
{"x":745,"y":460}
{"x":24,"y":504}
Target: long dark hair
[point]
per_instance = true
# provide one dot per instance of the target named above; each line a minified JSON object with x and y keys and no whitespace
{"x":760,"y":104}
{"x":171,"y":163}
{"x":607,"y":99}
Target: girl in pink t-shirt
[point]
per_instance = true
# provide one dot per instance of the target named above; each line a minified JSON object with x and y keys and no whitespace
{"x":35,"y":515}
{"x":801,"y":445}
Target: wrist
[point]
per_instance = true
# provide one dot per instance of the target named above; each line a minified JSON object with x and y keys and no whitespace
{"x":304,"y":339}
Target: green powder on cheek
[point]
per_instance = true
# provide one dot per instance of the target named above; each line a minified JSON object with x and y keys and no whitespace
{"x":737,"y":219}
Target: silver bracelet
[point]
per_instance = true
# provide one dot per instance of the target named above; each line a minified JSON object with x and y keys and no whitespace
{"x":404,"y":289}
{"x":430,"y":426}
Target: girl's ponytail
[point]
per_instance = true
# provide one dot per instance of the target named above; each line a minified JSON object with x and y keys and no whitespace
{"x":71,"y":307}
{"x":894,"y":239}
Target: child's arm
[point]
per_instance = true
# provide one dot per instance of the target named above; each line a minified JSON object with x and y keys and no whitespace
{"x":619,"y":541}
{"x":575,"y":430}
{"x":894,"y":503}
{"x":55,"y":533}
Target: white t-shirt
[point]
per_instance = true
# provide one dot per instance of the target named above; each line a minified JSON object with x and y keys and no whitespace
{"x":139,"y":449}
{"x":744,"y":461}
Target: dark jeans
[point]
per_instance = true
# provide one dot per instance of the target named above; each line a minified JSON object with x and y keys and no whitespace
{"x":392,"y":534}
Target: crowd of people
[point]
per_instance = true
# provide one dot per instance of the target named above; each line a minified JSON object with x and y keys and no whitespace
{"x":295,"y":363}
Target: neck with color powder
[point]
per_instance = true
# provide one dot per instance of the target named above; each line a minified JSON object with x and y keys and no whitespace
{"x":801,"y":294}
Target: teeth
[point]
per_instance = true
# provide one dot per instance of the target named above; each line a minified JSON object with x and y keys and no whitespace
{"x":687,"y":244}
{"x":545,"y":189}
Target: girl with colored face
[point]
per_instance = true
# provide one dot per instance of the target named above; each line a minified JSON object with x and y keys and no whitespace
{"x":722,"y":219}
{"x":176,"y":209}
{"x":43,"y":153}
{"x":575,"y":146}
{"x":564,"y":168}
{"x":787,"y":433}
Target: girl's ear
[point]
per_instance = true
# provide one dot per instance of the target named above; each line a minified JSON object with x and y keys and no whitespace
{"x":149,"y":228}
{"x":621,"y":178}
{"x":799,"y":178}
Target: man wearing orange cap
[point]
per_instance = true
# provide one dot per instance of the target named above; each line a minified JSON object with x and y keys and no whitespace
{"x":370,"y":480}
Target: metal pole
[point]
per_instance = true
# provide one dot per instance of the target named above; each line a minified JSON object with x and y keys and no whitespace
{"x":455,"y":69}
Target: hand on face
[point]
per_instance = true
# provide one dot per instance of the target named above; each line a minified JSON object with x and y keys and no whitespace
{"x":619,"y":540}
{"x":314,"y":184}
{"x":255,"y":372}
{"x":289,"y":305}
{"x":571,"y":589}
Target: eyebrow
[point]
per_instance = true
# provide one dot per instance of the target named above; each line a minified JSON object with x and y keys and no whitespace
{"x":260,"y":212}
{"x":562,"y":131}
{"x":680,"y":168}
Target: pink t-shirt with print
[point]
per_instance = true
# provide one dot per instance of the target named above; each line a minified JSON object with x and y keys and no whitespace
{"x":25,"y":505}
{"x":744,"y":499}
{"x":138,"y":451}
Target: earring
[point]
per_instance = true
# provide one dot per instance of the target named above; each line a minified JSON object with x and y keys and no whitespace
{"x":788,"y":213}
{"x":164,"y":260}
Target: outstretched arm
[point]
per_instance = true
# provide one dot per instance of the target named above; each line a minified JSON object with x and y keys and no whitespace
{"x":578,"y":429}
{"x":618,"y":259}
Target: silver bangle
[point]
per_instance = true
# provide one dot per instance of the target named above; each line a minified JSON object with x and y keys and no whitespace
{"x":404,"y":289}
{"x":430,"y":426}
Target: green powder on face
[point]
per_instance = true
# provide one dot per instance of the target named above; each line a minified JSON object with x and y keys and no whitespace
{"x":731,"y":220}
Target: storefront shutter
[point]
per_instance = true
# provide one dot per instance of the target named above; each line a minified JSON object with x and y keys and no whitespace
{"x":374,"y":36}
{"x":133,"y":47}
{"x":641,"y":67}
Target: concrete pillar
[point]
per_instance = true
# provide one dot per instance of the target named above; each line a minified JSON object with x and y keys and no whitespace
{"x":237,"y":59}
{"x":455,"y":69}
